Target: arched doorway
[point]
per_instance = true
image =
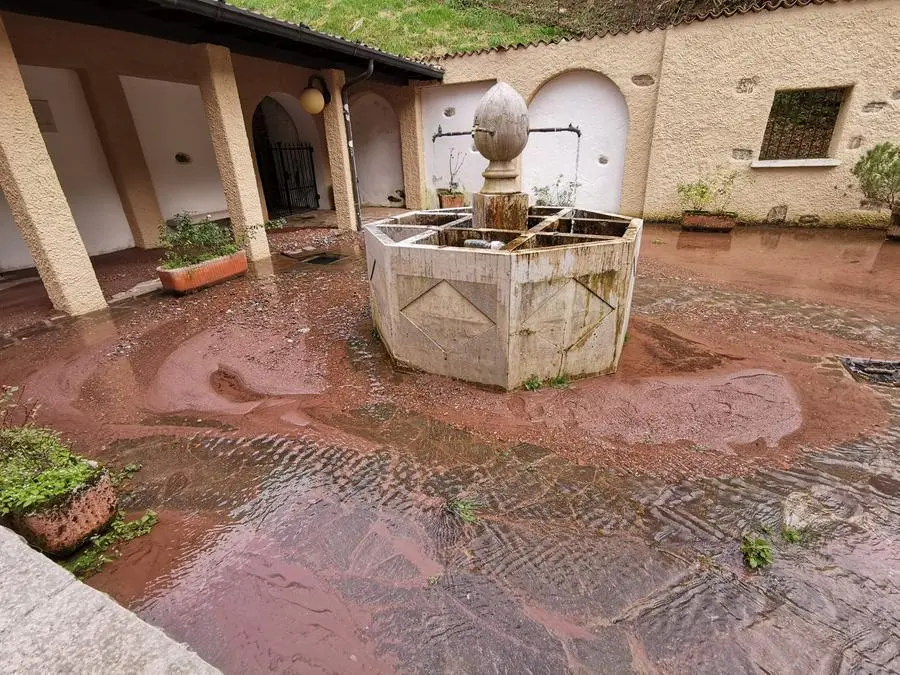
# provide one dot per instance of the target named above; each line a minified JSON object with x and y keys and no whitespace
{"x":587,"y":168}
{"x":376,"y":139}
{"x":285,"y":162}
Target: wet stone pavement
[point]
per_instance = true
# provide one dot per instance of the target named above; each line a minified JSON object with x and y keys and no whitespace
{"x":302,"y":485}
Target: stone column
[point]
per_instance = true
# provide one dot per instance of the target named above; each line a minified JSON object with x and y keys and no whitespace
{"x":36,"y":199}
{"x":338,"y":156}
{"x":232,"y":147}
{"x":412,"y":147}
{"x":119,"y":138}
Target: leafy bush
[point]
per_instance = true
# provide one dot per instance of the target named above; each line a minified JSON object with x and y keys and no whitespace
{"x":757,"y":552}
{"x":188,"y":242}
{"x":709,"y":190}
{"x":36,"y":469}
{"x":878,"y":173}
{"x":559,"y":193}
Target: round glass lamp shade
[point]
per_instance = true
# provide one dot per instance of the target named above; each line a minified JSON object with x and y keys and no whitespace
{"x":312,"y":101}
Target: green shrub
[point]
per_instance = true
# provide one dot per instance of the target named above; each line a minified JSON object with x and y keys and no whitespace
{"x":36,"y":469}
{"x":188,"y":243}
{"x":878,"y":173}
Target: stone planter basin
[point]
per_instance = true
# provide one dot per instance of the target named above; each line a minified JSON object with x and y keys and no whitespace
{"x":63,"y":527}
{"x":498,"y":307}
{"x":206,"y":273}
{"x":704,"y":221}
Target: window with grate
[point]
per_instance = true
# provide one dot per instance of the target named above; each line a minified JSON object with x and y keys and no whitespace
{"x":801,"y":123}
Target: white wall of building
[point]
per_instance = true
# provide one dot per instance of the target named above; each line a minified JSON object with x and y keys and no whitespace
{"x":170,"y":119}
{"x":376,"y":139}
{"x":80,"y":165}
{"x":451,"y":107}
{"x":593,"y":103}
{"x":309,"y":129}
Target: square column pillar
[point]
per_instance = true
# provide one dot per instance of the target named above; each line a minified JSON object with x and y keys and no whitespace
{"x":122,"y":146}
{"x":232,"y":147}
{"x":36,"y":199}
{"x":338,"y":155}
{"x":412,"y":147}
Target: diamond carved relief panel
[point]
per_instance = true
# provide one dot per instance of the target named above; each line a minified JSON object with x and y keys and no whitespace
{"x":447,"y":317}
{"x":569,"y":316}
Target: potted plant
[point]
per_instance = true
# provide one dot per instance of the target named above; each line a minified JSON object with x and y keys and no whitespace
{"x":199,"y":253}
{"x":52,"y":497}
{"x":707,"y":197}
{"x":878,"y":173}
{"x":452,"y":196}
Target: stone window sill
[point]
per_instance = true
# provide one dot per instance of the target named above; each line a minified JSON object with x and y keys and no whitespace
{"x":789,"y":163}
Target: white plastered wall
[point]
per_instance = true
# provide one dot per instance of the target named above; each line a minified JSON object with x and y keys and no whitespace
{"x":80,"y":165}
{"x":170,"y":119}
{"x":452,"y":108}
{"x":376,"y":140}
{"x":596,"y":160}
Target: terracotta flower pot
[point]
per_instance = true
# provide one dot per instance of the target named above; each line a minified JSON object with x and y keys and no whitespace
{"x":207,"y":273}
{"x":62,"y":527}
{"x":704,"y":221}
{"x":452,"y":201}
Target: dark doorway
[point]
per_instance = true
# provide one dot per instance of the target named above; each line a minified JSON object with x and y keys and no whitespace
{"x":285,"y":163}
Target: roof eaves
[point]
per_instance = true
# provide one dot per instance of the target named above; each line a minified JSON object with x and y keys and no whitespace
{"x":301,"y":32}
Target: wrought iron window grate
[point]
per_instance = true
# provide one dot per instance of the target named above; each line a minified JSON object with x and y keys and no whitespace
{"x":801,"y":123}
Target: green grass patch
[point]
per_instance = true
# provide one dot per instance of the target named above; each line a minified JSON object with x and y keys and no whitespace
{"x":533,"y":383}
{"x":559,"y":382}
{"x":416,"y":28}
{"x":105,"y":547}
{"x":465,"y":510}
{"x":37,"y":469}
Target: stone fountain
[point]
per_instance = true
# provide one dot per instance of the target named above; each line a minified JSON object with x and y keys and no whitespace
{"x":501,"y":293}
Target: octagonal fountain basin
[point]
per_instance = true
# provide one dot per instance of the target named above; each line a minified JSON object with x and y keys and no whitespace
{"x":500,"y":307}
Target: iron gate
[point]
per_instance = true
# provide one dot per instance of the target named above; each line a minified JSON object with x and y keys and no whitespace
{"x":288,"y":176}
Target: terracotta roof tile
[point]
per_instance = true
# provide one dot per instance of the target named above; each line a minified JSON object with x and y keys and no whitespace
{"x":613,"y":17}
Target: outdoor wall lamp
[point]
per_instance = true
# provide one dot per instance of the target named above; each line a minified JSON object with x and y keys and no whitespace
{"x":316,"y":95}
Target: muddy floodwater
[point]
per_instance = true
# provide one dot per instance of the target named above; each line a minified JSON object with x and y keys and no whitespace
{"x":301,"y":481}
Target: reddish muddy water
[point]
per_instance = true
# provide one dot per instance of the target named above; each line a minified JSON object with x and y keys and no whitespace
{"x":301,"y":481}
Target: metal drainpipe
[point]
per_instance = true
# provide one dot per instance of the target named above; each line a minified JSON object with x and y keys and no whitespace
{"x":345,"y":100}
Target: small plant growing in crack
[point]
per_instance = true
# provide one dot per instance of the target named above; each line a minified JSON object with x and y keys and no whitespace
{"x":434,"y":580}
{"x":757,"y":552}
{"x":465,"y":510}
{"x":533,"y":383}
{"x":560,"y":382}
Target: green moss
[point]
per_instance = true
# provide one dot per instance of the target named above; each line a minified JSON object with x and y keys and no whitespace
{"x":37,"y":469}
{"x":102,"y":548}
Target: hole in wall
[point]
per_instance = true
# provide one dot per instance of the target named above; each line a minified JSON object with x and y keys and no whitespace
{"x":183,"y":158}
{"x":449,"y":111}
{"x":602,"y":160}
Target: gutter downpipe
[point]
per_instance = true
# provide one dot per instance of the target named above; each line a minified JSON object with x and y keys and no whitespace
{"x":345,"y":100}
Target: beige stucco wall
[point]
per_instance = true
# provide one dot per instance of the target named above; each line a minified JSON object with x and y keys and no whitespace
{"x":692,"y":116}
{"x":620,"y":58}
{"x":702,"y":118}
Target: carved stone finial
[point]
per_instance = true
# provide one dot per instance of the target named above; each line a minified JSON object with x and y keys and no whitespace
{"x":501,"y":132}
